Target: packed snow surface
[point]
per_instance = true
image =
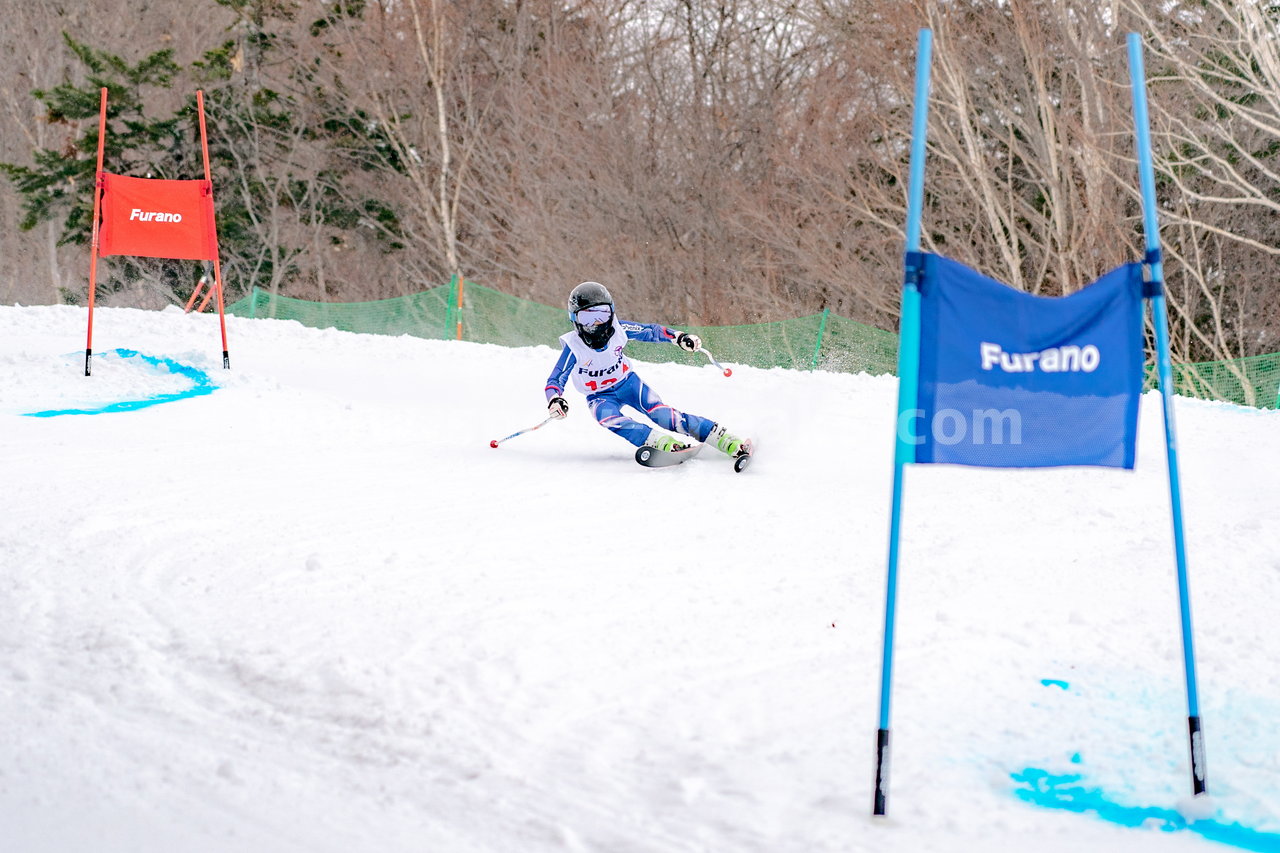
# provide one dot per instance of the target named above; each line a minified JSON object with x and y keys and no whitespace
{"x":301,"y":605}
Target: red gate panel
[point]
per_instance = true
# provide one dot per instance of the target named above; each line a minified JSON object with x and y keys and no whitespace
{"x":152,"y":218}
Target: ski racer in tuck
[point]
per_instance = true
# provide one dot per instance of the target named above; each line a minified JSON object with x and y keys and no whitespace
{"x":593,"y":356}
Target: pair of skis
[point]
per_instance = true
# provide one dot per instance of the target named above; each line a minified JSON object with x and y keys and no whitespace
{"x":652,"y":457}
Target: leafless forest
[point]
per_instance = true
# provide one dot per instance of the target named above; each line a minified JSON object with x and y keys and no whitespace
{"x":712,"y":162}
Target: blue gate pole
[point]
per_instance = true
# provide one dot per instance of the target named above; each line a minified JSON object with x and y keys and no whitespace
{"x":908,"y":386}
{"x":1164,"y":369}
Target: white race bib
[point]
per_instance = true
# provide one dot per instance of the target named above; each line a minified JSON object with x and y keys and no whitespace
{"x":598,"y":370}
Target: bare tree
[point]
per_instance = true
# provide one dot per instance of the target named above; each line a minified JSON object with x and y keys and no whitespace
{"x":717,"y":163}
{"x":1215,"y":83}
{"x":417,"y":73}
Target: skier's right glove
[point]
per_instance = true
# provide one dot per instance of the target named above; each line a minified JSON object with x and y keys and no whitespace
{"x":557,"y":407}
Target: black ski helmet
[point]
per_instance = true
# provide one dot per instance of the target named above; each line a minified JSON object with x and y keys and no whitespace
{"x":589,"y":294}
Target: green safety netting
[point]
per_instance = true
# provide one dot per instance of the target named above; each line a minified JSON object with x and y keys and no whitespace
{"x":1252,"y":381}
{"x":472,"y":312}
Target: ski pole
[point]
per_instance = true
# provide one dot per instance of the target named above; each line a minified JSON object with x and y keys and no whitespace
{"x":725,"y":370}
{"x":498,"y":441}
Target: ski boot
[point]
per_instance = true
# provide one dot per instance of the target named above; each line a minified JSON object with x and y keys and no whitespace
{"x":726,"y":442}
{"x":738,"y":449}
{"x":665,"y":441}
{"x":662,"y":450}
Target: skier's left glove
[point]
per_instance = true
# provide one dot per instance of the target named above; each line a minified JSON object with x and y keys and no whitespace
{"x":688,"y":341}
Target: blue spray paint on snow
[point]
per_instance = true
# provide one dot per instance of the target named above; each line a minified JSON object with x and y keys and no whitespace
{"x":1062,"y":791}
{"x":201,"y":384}
{"x":1054,"y":682}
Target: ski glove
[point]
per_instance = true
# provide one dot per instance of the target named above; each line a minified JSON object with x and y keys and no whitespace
{"x":557,"y":407}
{"x":687,"y":341}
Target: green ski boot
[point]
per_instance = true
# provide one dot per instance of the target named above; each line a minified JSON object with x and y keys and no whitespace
{"x":725,"y":442}
{"x":665,"y":441}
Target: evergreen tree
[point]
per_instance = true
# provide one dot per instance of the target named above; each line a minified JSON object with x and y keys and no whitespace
{"x":61,"y":181}
{"x":281,"y":161}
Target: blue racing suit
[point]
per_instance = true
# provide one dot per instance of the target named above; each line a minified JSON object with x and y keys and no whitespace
{"x":606,"y":378}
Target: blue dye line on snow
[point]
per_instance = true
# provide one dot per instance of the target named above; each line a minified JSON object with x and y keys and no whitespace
{"x":1063,"y":791}
{"x":201,"y":384}
{"x":1054,"y":682}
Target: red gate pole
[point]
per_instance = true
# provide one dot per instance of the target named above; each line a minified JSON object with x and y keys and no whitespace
{"x":195,"y":294}
{"x":217,"y":267}
{"x":93,"y":242}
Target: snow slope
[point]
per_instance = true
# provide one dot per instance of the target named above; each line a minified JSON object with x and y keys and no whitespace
{"x":313,"y":610}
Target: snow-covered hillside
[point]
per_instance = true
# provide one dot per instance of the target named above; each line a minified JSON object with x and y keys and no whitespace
{"x":304,"y":606}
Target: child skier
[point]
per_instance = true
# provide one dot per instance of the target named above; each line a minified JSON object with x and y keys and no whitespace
{"x":593,"y":355}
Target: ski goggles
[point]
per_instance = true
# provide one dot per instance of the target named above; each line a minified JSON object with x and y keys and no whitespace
{"x":593,"y":316}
